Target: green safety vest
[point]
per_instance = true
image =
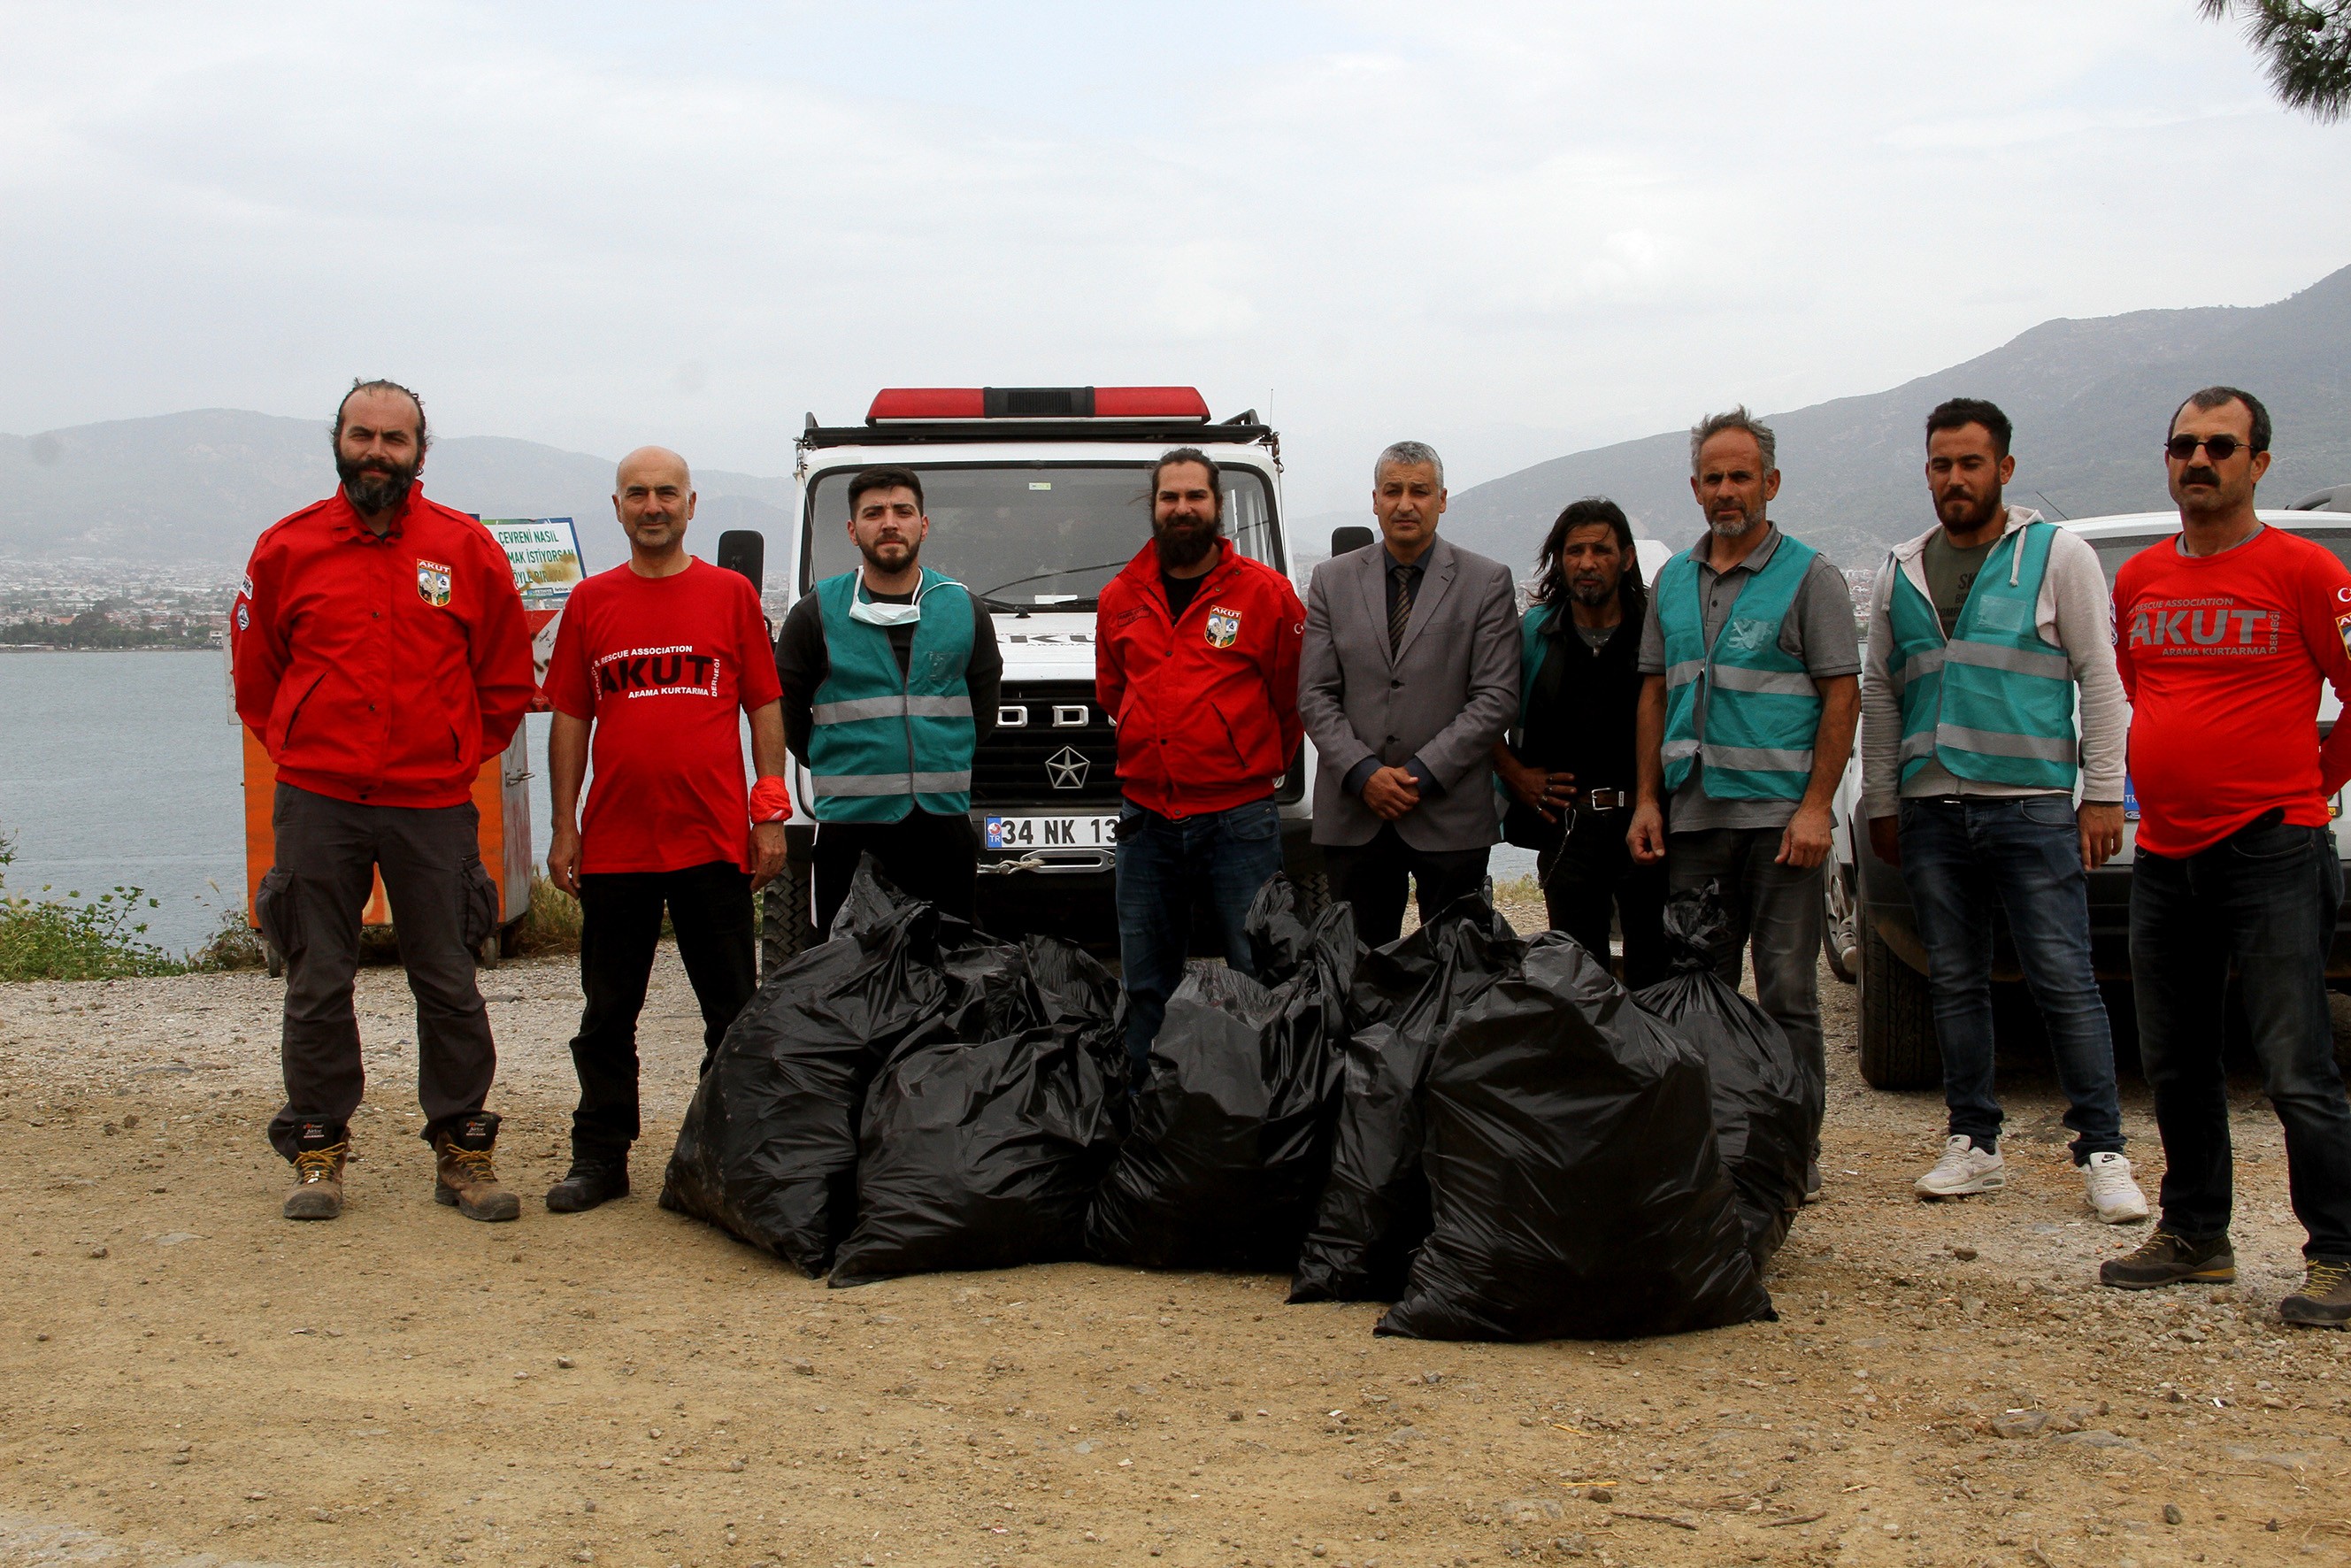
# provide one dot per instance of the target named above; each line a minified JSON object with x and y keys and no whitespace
{"x":883,"y":743}
{"x":1744,"y":707}
{"x":1995,"y":703}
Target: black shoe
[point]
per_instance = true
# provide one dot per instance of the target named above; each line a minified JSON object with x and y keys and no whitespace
{"x":590,"y":1181}
{"x":2325,"y":1299}
{"x":2165,"y":1259}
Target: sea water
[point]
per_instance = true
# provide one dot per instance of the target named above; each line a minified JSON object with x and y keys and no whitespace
{"x":125,"y":769}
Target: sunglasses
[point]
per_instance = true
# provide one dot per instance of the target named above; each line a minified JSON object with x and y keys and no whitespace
{"x":2223,"y":447}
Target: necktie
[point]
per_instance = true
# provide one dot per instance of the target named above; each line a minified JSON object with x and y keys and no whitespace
{"x":1399,"y":607}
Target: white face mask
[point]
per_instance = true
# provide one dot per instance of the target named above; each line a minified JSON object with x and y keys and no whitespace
{"x":873,"y":613}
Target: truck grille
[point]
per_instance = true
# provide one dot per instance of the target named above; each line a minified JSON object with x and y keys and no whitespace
{"x":1063,"y":753}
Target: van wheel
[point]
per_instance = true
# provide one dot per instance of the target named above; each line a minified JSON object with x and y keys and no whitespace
{"x":1840,"y":932}
{"x":786,"y":916}
{"x":1897,"y":1018}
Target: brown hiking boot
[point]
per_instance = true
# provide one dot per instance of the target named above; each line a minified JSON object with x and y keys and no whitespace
{"x":463,"y":1176}
{"x":2325,"y":1299}
{"x":317,"y":1174}
{"x":2167,"y":1258}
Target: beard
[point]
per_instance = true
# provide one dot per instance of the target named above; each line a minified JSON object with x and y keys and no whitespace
{"x":374,"y":483}
{"x":905,"y":561}
{"x":1978,"y":515}
{"x":1592,"y":592}
{"x":1736,"y":527}
{"x":1186,"y":547}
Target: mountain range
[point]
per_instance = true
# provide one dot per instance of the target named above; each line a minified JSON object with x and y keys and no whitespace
{"x":196,"y":488}
{"x":2090,"y":399}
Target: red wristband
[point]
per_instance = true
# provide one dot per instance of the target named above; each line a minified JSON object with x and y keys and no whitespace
{"x":771,"y":801}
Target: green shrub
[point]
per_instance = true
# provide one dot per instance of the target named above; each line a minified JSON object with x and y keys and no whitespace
{"x":73,"y":938}
{"x":234,"y":945}
{"x":552,"y":923}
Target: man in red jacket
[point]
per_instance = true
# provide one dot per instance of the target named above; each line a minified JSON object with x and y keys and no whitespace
{"x":2227,"y":633}
{"x":1195,"y":660}
{"x":381,"y":658}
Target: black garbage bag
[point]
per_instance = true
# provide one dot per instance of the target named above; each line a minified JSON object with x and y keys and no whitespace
{"x":981,"y":1157}
{"x":1231,"y":1135}
{"x":1572,"y":1173}
{"x":985,"y":1155}
{"x":1374,"y":1210}
{"x":769,"y":1146}
{"x":1762,"y":1116}
{"x":1280,"y":934}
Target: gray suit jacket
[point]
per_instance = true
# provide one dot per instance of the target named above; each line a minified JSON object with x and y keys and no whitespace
{"x":1444,"y":695}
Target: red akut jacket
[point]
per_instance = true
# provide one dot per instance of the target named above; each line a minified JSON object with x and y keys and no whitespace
{"x":1207,"y":705}
{"x":380,"y":671}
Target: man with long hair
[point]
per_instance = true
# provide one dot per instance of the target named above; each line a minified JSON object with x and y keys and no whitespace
{"x":1568,"y":764}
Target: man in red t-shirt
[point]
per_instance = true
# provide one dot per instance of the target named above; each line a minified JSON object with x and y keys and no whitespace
{"x":657,"y":658}
{"x":2225,"y":635}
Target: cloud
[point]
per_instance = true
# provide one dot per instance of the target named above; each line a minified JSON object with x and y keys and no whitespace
{"x":603,"y":224}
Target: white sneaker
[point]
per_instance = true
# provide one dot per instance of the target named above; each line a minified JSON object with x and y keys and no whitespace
{"x":2111,"y":1190}
{"x":1964,"y":1169}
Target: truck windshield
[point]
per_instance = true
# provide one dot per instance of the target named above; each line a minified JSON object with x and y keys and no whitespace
{"x":1035,"y":535}
{"x":2114,"y":552}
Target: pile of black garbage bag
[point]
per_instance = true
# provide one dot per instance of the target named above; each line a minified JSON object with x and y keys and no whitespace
{"x":1487,"y":1131}
{"x":910,"y":1095}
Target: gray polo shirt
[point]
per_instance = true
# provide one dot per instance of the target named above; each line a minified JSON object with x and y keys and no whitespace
{"x":1819,"y":630}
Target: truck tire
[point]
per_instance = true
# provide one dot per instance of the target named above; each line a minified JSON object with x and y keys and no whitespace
{"x":786,"y":916}
{"x":1840,"y":924}
{"x":1897,"y":1018}
{"x":1314,"y":895}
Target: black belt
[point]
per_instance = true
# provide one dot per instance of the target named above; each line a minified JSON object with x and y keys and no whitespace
{"x":1606,"y":800}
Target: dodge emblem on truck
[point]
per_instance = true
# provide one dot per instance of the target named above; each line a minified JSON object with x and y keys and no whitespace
{"x":1067,"y":768}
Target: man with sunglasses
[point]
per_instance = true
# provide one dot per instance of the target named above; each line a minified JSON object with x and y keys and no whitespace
{"x":2224,"y":634}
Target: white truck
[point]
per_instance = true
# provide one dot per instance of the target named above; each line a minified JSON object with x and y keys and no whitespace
{"x":1037,"y":497}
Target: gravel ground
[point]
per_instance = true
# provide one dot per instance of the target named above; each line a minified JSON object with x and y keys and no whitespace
{"x":185,"y":1378}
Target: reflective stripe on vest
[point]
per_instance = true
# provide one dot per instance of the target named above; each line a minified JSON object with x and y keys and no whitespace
{"x":1995,"y":704}
{"x":1745,"y":708}
{"x":882,"y":744}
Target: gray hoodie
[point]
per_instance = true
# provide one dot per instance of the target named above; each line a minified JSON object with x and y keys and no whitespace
{"x":2075,"y":612}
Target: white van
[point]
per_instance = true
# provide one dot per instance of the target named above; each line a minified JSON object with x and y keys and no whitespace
{"x":1037,"y":497}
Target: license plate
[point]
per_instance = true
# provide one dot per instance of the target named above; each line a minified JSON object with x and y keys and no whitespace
{"x":1052,"y":832}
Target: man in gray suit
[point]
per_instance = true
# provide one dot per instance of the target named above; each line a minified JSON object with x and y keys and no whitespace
{"x":1409,"y":676}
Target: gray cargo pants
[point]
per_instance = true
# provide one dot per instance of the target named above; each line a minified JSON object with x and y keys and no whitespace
{"x":442,"y":903}
{"x":1778,"y":908}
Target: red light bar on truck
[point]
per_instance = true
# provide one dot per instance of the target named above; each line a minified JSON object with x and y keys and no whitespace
{"x":896,"y":404}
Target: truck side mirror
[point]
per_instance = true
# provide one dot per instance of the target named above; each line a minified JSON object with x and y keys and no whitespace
{"x":745,"y":550}
{"x":1354,"y":538}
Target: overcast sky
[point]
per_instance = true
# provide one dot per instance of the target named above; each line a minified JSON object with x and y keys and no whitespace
{"x":1514,"y":230}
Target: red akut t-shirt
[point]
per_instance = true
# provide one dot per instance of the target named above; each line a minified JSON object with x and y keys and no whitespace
{"x":2221,"y":657}
{"x":662,"y":666}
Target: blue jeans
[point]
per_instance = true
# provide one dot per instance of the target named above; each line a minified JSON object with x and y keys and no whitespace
{"x":1958,"y":856}
{"x":1165,"y":865}
{"x":2265,"y":897}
